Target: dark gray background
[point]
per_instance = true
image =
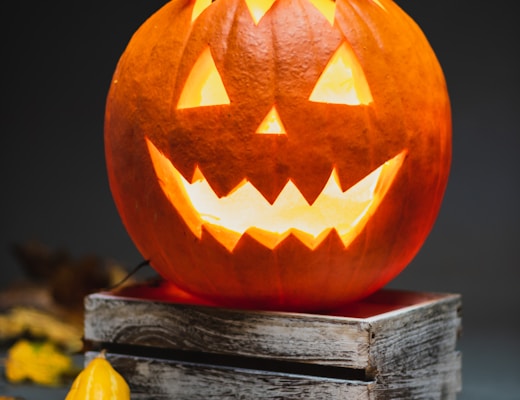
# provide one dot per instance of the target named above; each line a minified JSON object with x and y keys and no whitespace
{"x":58,"y":58}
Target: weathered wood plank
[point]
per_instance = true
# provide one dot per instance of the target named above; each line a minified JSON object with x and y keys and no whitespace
{"x":440,"y":381}
{"x":329,"y":340}
{"x":154,"y":379}
{"x":161,"y":379}
{"x":434,"y":325}
{"x":413,"y":350}
{"x":296,"y":337}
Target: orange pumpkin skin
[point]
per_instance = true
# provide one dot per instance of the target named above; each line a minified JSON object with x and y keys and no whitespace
{"x":278,"y":61}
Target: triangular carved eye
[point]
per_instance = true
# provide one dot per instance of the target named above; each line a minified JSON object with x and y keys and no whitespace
{"x":272,"y":124}
{"x":204,"y":86}
{"x":342,"y":81}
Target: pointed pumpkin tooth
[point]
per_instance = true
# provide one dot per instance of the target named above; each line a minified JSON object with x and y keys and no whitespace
{"x":327,"y":8}
{"x":258,"y":8}
{"x":285,"y":209}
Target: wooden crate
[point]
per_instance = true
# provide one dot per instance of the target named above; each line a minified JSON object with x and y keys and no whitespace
{"x":391,"y":345}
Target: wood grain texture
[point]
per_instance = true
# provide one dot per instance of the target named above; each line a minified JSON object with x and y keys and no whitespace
{"x":294,"y":337}
{"x":413,"y":351}
{"x":151,"y":378}
{"x":393,"y":345}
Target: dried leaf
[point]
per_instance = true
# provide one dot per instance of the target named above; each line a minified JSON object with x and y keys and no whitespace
{"x":67,"y":279}
{"x":25,"y":321}
{"x":37,"y":260}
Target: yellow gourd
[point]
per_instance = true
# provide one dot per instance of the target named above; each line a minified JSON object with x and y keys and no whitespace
{"x":99,"y":381}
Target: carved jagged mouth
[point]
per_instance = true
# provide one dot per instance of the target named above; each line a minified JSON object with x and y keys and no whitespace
{"x":245,"y":210}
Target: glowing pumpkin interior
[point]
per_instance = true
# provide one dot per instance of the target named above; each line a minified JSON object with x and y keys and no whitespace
{"x":244,"y":209}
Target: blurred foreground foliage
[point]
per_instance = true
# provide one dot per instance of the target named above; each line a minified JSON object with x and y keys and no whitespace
{"x":43,"y":363}
{"x":41,"y":317}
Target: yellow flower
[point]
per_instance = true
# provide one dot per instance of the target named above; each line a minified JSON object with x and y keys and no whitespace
{"x":40,"y":362}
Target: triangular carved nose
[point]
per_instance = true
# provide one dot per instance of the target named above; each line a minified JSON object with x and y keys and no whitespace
{"x":271,"y":124}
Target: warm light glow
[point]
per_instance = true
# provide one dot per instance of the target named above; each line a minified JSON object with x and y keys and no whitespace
{"x":327,"y":8}
{"x":379,"y":4}
{"x":198,"y":8}
{"x":271,"y":125}
{"x":258,"y":8}
{"x":204,"y":86}
{"x":246,"y":210}
{"x":342,"y":81}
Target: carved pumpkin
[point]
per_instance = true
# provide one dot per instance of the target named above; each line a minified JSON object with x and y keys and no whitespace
{"x":278,"y":154}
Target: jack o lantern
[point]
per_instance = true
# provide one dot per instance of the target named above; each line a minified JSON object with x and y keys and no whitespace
{"x":278,"y":154}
